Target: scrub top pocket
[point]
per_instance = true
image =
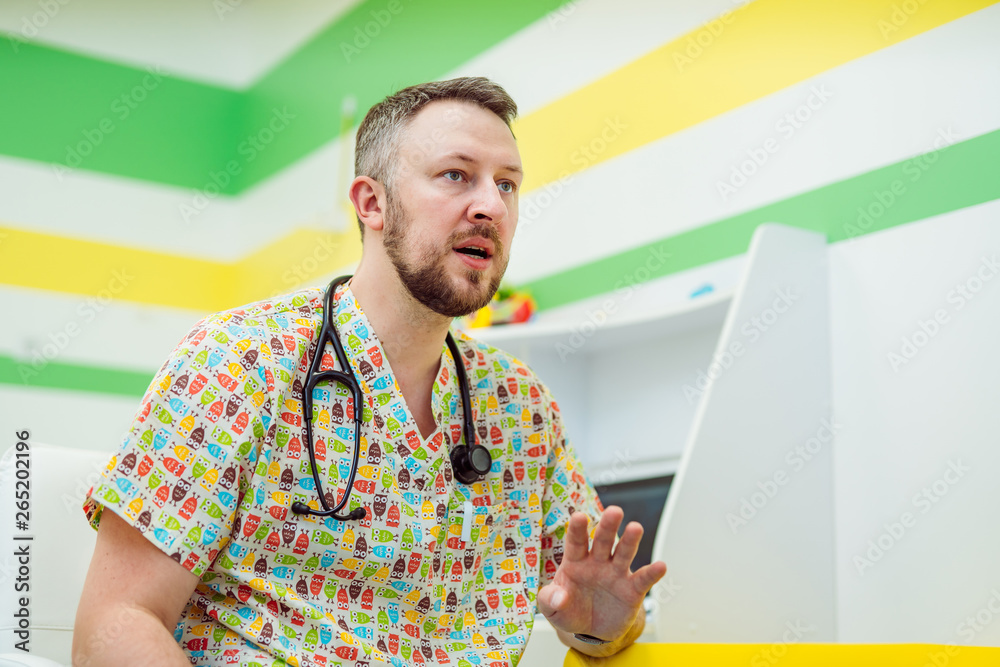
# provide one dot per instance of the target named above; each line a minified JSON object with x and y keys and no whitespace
{"x":480,"y":580}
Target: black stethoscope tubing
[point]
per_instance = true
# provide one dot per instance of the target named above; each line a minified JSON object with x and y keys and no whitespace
{"x":468,"y":462}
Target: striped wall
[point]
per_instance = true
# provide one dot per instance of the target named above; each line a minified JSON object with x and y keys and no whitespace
{"x":680,"y":125}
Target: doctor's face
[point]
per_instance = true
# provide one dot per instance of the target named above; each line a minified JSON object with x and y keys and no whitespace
{"x":452,"y":211}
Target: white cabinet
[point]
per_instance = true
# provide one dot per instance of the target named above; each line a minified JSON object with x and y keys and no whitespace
{"x":608,"y":366}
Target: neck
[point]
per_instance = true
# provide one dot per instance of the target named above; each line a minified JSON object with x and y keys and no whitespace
{"x":411,"y":334}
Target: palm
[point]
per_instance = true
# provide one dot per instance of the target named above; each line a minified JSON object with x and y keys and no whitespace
{"x":593,"y":591}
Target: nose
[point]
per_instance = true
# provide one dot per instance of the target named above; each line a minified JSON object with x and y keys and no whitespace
{"x":487,"y":205}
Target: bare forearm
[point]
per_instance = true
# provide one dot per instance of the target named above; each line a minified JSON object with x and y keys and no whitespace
{"x":605,"y":650}
{"x":125,"y":636}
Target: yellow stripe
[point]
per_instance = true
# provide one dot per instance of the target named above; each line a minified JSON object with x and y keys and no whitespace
{"x":46,"y":261}
{"x":756,"y":50}
{"x":794,"y":655}
{"x":294,"y":259}
{"x":101,"y":270}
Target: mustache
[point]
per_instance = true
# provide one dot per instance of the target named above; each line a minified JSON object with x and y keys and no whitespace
{"x":485,"y":231}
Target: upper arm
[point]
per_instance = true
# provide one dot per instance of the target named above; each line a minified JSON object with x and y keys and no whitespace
{"x":178,"y":473}
{"x":127,"y":572}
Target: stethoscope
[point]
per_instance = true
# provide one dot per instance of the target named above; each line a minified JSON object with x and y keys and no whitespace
{"x":468,"y":462}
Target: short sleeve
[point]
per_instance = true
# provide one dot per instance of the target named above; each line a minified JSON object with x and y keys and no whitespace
{"x":567,"y":490}
{"x":191,"y":448}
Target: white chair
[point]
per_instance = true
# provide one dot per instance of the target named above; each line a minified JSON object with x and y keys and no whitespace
{"x":59,"y":550}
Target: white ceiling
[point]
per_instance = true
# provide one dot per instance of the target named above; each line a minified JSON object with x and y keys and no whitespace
{"x":224,"y":42}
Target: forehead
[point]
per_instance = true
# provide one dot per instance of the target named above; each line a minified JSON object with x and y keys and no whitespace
{"x":447,"y":127}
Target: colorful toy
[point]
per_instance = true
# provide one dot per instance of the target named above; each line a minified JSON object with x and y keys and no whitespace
{"x":509,"y":306}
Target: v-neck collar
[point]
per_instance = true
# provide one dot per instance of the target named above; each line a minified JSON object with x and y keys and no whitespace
{"x":375,"y":376}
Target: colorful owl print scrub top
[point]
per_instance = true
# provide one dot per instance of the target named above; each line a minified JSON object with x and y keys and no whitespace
{"x":437,"y":573}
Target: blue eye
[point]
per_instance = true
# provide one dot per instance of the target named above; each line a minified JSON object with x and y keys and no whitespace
{"x":506,"y":186}
{"x":448,"y":175}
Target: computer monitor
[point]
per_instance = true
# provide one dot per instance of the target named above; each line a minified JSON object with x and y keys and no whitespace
{"x":641,"y":500}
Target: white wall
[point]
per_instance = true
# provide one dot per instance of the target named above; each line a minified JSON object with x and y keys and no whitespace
{"x":905,"y":425}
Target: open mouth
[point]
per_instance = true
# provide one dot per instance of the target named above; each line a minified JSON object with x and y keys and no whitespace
{"x":474,"y":251}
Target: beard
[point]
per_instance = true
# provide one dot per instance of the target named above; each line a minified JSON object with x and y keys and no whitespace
{"x":426,"y":278}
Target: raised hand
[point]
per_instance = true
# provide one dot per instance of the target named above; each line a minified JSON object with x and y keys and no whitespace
{"x":594,"y":592}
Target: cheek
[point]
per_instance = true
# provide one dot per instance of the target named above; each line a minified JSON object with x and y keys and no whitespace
{"x":513,"y":207}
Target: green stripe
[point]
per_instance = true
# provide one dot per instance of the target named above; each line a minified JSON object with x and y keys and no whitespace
{"x":961,"y":175}
{"x":425,"y":40}
{"x":183,"y":131}
{"x":950,"y":179}
{"x":99,"y":116}
{"x":77,"y":377}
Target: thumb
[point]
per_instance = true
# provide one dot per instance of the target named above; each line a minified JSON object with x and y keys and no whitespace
{"x":551,"y":599}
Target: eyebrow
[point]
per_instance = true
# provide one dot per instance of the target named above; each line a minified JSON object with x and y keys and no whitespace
{"x":465,"y":158}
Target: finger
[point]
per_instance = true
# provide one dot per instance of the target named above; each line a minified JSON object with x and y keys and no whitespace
{"x":646,"y":577}
{"x":575,"y":542}
{"x":607,"y":530}
{"x":551,"y":599}
{"x":628,"y":545}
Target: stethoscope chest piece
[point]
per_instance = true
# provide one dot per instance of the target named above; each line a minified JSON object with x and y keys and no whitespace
{"x":470,"y":463}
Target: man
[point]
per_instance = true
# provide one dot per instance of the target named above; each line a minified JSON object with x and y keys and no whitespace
{"x":203,"y":558}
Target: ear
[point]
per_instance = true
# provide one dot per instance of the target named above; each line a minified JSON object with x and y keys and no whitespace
{"x":368,"y":197}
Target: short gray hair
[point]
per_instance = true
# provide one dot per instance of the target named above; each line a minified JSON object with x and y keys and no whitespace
{"x":379,"y":133}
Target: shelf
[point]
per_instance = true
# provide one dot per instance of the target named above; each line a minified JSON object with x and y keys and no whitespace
{"x":582,"y":334}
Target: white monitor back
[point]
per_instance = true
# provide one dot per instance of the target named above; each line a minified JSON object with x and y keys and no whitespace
{"x":747,"y":532}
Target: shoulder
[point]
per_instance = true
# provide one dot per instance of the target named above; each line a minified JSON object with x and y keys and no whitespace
{"x":482,"y":360}
{"x":230,"y":349}
{"x":263,"y":329}
{"x":295,"y":312}
{"x":483,"y":356}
